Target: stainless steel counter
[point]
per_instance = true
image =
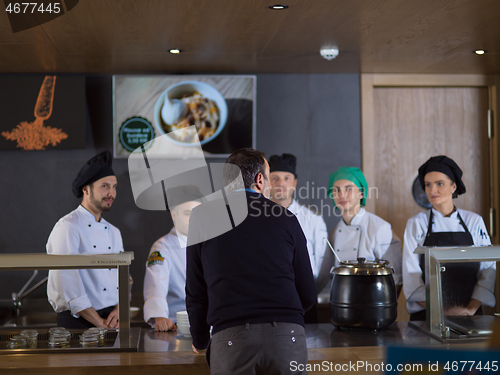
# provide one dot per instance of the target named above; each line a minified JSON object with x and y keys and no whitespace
{"x":317,"y":335}
{"x":110,"y":342}
{"x":328,"y":336}
{"x":121,"y":261}
{"x":324,"y":341}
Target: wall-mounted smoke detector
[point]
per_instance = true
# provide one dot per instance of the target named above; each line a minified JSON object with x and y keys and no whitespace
{"x":329,"y":53}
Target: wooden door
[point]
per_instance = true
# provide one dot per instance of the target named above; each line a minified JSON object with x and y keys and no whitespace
{"x":408,"y":118}
{"x":415,"y":123}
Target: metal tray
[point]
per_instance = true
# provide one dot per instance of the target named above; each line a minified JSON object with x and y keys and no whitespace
{"x":471,"y":325}
{"x":111,"y":342}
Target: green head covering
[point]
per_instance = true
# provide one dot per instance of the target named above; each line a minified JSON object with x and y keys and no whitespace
{"x":352,"y":174}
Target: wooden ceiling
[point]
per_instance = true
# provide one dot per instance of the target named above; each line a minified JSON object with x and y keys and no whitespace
{"x":245,"y":36}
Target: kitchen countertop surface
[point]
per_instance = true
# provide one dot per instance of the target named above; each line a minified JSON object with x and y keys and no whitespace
{"x":323,"y":335}
{"x":169,"y":351}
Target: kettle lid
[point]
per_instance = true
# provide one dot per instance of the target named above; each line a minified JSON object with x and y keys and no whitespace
{"x":363,"y":267}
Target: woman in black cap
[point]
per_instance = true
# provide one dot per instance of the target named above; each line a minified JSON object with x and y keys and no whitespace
{"x":465,"y":285}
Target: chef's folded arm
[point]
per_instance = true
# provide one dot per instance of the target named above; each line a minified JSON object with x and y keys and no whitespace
{"x":483,"y":291}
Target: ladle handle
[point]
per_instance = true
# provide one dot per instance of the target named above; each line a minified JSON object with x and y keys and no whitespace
{"x":333,"y":250}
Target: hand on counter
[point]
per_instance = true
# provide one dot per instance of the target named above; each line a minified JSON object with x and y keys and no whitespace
{"x":93,"y":317}
{"x":198,"y":351}
{"x":112,"y":319}
{"x":469,"y":310}
{"x":164,"y":324}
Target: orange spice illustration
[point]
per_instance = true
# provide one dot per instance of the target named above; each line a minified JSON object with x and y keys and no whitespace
{"x":33,"y":135}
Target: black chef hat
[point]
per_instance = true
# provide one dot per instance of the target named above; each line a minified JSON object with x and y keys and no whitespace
{"x":444,"y":165}
{"x":182,"y":194}
{"x":96,"y":168}
{"x":283,"y":163}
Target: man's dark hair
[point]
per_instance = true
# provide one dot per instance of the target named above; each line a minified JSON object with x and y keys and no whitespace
{"x":251,"y":162}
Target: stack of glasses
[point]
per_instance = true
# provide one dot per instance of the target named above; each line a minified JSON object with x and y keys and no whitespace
{"x":102,"y":334}
{"x":17,"y":342}
{"x":59,"y":337}
{"x":93,"y":337}
{"x":31,"y":338}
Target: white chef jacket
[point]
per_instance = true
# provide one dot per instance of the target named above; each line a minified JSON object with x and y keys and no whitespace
{"x":165,"y":279}
{"x":314,"y":229}
{"x":415,"y":233}
{"x":79,"y":233}
{"x":368,"y":236}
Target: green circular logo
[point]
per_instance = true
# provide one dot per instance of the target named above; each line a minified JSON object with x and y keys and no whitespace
{"x":135,"y":132}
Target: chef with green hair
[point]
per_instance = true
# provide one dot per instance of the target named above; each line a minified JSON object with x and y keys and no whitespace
{"x":359,"y":233}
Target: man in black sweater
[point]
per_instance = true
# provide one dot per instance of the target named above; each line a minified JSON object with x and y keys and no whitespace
{"x":252,"y":284}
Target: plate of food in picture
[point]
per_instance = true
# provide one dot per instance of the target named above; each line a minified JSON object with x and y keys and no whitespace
{"x":190,"y":111}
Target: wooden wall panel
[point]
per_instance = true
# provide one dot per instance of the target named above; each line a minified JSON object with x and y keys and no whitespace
{"x":403,"y":124}
{"x":413,"y":124}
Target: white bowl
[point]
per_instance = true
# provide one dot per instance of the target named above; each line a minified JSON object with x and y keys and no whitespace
{"x":134,"y":311}
{"x":176,"y":91}
{"x":184,"y":329}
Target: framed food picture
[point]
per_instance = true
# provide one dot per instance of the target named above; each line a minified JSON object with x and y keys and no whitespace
{"x":174,"y":116}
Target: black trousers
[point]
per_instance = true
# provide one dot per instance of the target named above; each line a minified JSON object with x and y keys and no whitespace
{"x":260,"y":348}
{"x":66,"y":320}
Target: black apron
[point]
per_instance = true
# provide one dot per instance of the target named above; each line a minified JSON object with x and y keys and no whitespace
{"x":459,"y":279}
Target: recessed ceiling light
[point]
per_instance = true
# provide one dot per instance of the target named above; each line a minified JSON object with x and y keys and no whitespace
{"x":480,"y":52}
{"x":278,"y":7}
{"x":175,"y":51}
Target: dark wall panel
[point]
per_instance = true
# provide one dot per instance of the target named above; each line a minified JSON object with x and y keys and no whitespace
{"x":315,"y":117}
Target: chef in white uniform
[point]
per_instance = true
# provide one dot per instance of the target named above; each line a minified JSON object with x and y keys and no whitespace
{"x":87,"y":297}
{"x":359,"y":234}
{"x":466,"y":286}
{"x":283,"y":184}
{"x":283,"y":181}
{"x":165,"y":278}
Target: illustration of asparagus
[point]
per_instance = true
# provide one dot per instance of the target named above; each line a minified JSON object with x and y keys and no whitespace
{"x":33,"y":135}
